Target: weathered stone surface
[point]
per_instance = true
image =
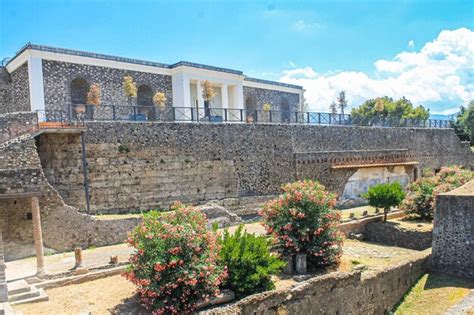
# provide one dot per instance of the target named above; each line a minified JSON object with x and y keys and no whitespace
{"x":394,"y":234}
{"x":254,"y":98}
{"x":218,"y":214}
{"x":59,"y":75}
{"x":195,"y":163}
{"x":374,"y":293}
{"x":14,"y":90}
{"x":453,"y":234}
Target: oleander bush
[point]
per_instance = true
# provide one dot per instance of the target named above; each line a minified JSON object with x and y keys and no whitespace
{"x":249,"y":262}
{"x":303,"y":220}
{"x":421,"y":195}
{"x":174,"y":264}
{"x":385,"y":196}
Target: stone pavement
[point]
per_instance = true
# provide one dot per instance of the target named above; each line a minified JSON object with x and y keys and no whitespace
{"x":466,"y":306}
{"x":93,"y":258}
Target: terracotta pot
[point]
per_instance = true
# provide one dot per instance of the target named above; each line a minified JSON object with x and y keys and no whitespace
{"x":80,"y":109}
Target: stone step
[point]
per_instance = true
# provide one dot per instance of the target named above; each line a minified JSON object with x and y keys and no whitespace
{"x":42,"y":296}
{"x":34,"y":292}
{"x":18,"y":287}
{"x":6,"y":309}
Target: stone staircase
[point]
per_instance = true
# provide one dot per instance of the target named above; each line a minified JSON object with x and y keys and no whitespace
{"x":20,"y":292}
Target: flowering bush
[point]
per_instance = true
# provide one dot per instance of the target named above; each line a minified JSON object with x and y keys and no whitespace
{"x":174,"y":263}
{"x":421,"y":196}
{"x":303,"y":220}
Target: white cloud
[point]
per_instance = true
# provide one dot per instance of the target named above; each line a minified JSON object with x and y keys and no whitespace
{"x":302,"y":26}
{"x":449,"y":111}
{"x":442,"y":72}
{"x":411,"y":44}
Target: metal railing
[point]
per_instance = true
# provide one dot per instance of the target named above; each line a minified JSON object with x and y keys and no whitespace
{"x":83,"y":113}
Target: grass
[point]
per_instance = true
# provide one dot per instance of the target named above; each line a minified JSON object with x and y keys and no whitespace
{"x":433,"y":294}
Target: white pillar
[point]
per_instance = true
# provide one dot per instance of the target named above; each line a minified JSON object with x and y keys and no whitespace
{"x":224,"y":96}
{"x":38,"y":236}
{"x":239,"y":96}
{"x":35,"y":79}
{"x":186,"y":91}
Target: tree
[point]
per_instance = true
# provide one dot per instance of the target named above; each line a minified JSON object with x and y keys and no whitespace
{"x":159,"y":99}
{"x":342,"y":102}
{"x":333,"y":108}
{"x":385,"y":196}
{"x":130,"y":88}
{"x":464,"y":124}
{"x":388,"y":108}
{"x":93,"y":95}
{"x":208,"y":93}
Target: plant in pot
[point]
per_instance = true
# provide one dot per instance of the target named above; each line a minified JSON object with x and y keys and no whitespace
{"x":267,"y":107}
{"x":130,"y":89}
{"x":208,"y":93}
{"x":159,"y":99}
{"x":92,"y":99}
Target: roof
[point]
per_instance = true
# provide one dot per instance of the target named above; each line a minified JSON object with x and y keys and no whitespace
{"x":145,"y":63}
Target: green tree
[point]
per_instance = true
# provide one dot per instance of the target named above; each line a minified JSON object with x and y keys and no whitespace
{"x":385,"y":196}
{"x":388,"y":108}
{"x":464,"y":124}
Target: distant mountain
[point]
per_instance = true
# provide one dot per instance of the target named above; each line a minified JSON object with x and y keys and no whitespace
{"x":443,"y":117}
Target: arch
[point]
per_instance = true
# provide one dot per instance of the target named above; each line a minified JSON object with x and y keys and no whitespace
{"x":285,"y":110}
{"x":145,"y":101}
{"x":78,"y":91}
{"x":251,"y":108}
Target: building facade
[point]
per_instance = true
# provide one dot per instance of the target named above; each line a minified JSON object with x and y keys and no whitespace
{"x":53,"y":79}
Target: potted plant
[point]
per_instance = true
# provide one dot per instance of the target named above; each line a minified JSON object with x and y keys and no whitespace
{"x":267,"y":107}
{"x":92,"y":99}
{"x":159,"y":99}
{"x":130,"y":89}
{"x":208,"y":93}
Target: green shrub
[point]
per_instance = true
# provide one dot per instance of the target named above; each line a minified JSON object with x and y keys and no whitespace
{"x":249,"y":262}
{"x":385,"y":196}
{"x":174,"y":264}
{"x":421,"y":195}
{"x":303,"y":220}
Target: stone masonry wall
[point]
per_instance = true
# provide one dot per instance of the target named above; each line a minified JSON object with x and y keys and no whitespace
{"x":59,"y":75}
{"x":453,"y":233}
{"x":5,"y":91}
{"x":20,"y":90}
{"x":336,"y":293}
{"x":256,"y":97}
{"x":148,"y":165}
{"x":21,"y":172}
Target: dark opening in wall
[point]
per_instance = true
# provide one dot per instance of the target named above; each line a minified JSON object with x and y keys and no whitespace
{"x":29,"y":216}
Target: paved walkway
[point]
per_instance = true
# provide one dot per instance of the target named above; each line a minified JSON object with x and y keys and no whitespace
{"x":93,"y":257}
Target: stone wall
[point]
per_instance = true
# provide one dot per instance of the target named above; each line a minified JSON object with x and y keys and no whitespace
{"x":148,"y":165}
{"x":21,"y":176}
{"x":254,"y":98}
{"x":336,"y":293}
{"x":401,"y":235}
{"x":5,"y":91}
{"x":20,"y":90}
{"x":58,"y":76}
{"x":453,"y":233}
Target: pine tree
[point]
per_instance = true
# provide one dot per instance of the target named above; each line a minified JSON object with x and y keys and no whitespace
{"x":342,"y":102}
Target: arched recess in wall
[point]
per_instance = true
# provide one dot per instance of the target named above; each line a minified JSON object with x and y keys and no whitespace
{"x":145,"y":100}
{"x":79,"y":88}
{"x":285,"y":109}
{"x":251,"y":107}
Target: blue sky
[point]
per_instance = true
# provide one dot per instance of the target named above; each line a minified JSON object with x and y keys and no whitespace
{"x":324,"y":45}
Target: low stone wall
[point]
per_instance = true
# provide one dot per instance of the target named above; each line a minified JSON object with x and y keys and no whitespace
{"x":358,"y":226}
{"x":453,"y":234}
{"x":336,"y":293}
{"x":394,"y":234}
{"x":17,"y":124}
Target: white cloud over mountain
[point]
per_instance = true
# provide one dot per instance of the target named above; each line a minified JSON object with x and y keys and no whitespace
{"x":441,"y":73}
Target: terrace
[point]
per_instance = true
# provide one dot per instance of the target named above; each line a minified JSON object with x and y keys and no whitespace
{"x":74,"y":116}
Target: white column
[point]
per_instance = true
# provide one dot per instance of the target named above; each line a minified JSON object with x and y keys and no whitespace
{"x":239,"y":96}
{"x":186,"y":91}
{"x":35,"y":76}
{"x":224,"y":96}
